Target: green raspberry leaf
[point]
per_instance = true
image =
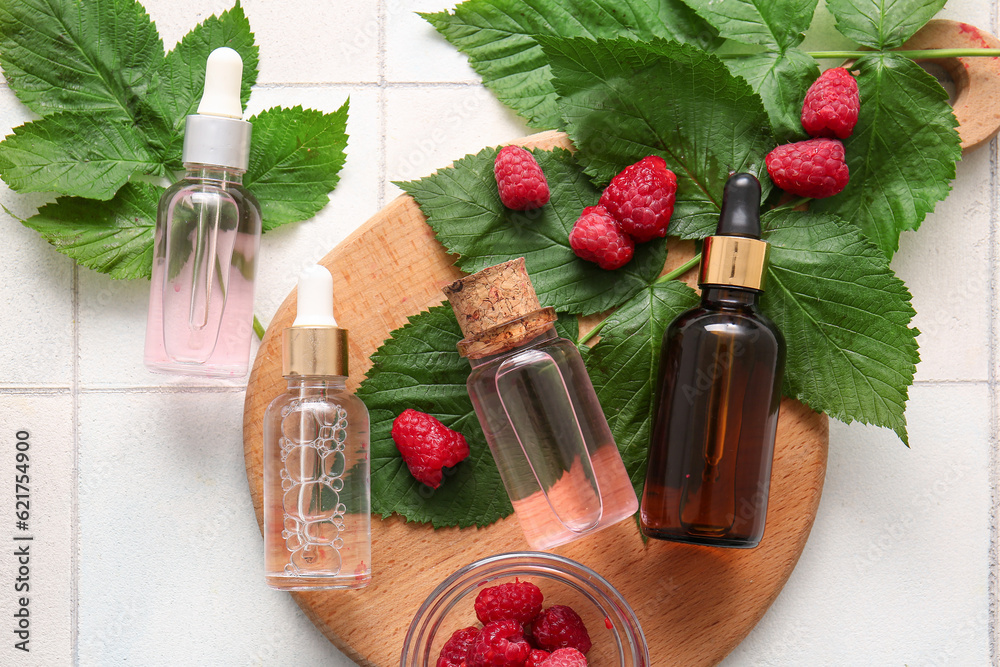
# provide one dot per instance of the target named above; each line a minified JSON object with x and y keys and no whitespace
{"x":881,"y":24}
{"x":177,"y":84}
{"x":624,"y":100}
{"x":777,"y":23}
{"x":295,"y":161}
{"x":463,"y":207}
{"x":845,"y":317}
{"x":902,"y":154}
{"x":77,"y":154}
{"x":113,"y":237}
{"x":567,"y":326}
{"x":93,"y":55}
{"x":623,"y":367}
{"x":781,"y":80}
{"x":136,"y":123}
{"x":419,"y":367}
{"x":498,"y":36}
{"x":114,"y":105}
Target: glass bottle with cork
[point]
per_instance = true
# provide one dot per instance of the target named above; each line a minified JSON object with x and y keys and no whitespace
{"x":538,"y":409}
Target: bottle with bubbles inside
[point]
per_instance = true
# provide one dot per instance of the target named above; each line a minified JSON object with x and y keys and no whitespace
{"x":317,"y":507}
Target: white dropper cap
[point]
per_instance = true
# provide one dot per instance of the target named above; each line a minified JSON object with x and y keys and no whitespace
{"x":315,"y":298}
{"x":314,"y":345}
{"x":223,"y":78}
{"x":217,"y":134}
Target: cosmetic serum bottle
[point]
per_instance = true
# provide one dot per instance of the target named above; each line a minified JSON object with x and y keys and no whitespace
{"x":718,"y":393}
{"x":538,"y":410}
{"x":208,"y":226}
{"x":317,"y":503}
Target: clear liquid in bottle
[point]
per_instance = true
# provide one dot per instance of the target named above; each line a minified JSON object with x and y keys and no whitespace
{"x":538,"y":410}
{"x":317,"y":518}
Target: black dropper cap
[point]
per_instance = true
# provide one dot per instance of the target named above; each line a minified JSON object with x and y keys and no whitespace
{"x":740,"y":207}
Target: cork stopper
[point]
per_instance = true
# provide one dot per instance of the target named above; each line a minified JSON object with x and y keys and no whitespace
{"x":497,"y":309}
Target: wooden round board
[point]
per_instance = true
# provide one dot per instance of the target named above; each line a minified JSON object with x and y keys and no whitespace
{"x":976,"y":101}
{"x":695,"y":604}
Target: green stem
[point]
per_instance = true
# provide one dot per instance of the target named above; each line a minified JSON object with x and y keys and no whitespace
{"x":680,"y":270}
{"x":915,"y":54}
{"x":792,"y":204}
{"x":593,"y":332}
{"x":258,"y":328}
{"x":676,"y":273}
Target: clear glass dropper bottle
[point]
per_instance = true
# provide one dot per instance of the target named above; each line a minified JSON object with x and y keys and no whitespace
{"x":718,"y":393}
{"x":317,"y":504}
{"x":208,"y":226}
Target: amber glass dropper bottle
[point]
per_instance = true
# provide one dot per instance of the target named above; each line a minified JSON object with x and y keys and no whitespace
{"x":718,"y":392}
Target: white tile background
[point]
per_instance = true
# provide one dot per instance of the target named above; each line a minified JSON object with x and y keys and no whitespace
{"x":147,"y":551}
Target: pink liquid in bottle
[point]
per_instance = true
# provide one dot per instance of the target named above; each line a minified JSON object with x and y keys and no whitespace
{"x":538,"y":409}
{"x":200,"y":319}
{"x":551,"y":441}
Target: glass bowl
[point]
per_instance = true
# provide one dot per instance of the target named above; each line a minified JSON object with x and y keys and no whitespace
{"x":617,"y":637}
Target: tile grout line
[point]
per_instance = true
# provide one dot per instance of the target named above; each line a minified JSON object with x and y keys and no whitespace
{"x":145,"y":389}
{"x":208,"y":389}
{"x":164,"y":390}
{"x":382,"y":105}
{"x":947,"y":383}
{"x":46,"y":391}
{"x":380,"y":83}
{"x":994,"y":465}
{"x":75,"y":493}
{"x":223,"y":389}
{"x":994,"y":417}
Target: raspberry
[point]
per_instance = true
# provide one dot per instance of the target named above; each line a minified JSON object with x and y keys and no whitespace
{"x":427,"y":445}
{"x":830,"y":108}
{"x":641,"y":198}
{"x":520,"y":180}
{"x":536,"y":657}
{"x":566,"y":657}
{"x":597,"y":237}
{"x":520,"y":601}
{"x":813,"y":168}
{"x":499,"y":643}
{"x":560,"y":627}
{"x":455,"y":649}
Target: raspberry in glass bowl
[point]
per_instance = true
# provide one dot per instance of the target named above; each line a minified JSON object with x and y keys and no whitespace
{"x":615,"y":634}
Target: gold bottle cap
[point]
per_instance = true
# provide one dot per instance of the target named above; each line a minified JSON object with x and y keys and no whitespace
{"x":734,"y":261}
{"x":735,"y":256}
{"x":314,"y":344}
{"x":314,"y":351}
{"x":497,"y":309}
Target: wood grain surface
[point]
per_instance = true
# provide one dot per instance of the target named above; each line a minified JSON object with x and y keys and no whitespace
{"x":977,"y":80}
{"x":695,"y":603}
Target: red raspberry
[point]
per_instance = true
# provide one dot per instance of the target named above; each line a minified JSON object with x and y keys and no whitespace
{"x":455,"y":649}
{"x":520,"y":180}
{"x":566,"y":657}
{"x":641,"y":198}
{"x":831,"y":105}
{"x":500,"y":643}
{"x":813,"y":168}
{"x":427,"y":446}
{"x":560,"y":627}
{"x":536,"y":657}
{"x":520,"y":601}
{"x":597,"y":237}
